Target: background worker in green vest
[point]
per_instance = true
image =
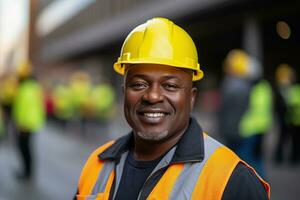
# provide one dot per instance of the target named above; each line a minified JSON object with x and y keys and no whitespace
{"x":63,"y":106}
{"x":166,"y":155}
{"x":81,"y":87}
{"x":106,"y":107}
{"x":284,"y":76}
{"x":29,"y":116}
{"x":293,"y":111}
{"x":255,"y":123}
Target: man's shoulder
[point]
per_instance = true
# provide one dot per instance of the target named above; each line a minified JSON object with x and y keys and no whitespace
{"x":251,"y":187}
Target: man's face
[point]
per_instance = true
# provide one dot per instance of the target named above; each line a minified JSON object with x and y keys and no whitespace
{"x":158,"y":100}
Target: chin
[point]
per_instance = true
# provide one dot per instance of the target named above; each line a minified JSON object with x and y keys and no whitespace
{"x":152,"y":136}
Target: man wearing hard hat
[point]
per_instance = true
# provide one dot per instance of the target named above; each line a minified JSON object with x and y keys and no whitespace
{"x":235,"y":90}
{"x":287,"y":105}
{"x":166,"y":155}
{"x":29,"y":117}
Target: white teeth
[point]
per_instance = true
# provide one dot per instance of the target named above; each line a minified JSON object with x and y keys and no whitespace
{"x":153,"y":115}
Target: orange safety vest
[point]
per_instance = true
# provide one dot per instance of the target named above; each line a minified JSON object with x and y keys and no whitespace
{"x":210,"y":184}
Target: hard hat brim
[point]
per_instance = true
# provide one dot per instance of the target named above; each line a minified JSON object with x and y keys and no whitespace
{"x":119,"y":67}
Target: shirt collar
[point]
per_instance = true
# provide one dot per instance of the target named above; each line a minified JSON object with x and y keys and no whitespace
{"x":190,"y":147}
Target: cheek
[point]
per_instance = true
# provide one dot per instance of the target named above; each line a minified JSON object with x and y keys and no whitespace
{"x":180,"y":101}
{"x":131,"y":99}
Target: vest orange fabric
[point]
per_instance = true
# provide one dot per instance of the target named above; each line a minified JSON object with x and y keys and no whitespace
{"x":210,"y":185}
{"x":90,"y":172}
{"x":219,"y":167}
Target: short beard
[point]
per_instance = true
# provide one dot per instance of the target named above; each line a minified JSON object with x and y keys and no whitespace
{"x":153,"y":136}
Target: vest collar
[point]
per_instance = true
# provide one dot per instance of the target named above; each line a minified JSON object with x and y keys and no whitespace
{"x":190,"y":147}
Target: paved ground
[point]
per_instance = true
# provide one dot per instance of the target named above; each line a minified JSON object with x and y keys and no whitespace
{"x":61,"y":153}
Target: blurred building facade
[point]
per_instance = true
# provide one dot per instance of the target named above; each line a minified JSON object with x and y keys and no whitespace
{"x":89,"y":36}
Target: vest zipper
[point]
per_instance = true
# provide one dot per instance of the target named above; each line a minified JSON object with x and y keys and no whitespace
{"x":147,"y":181}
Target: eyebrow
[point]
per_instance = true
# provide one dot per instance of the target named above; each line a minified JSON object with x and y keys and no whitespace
{"x":143,"y":76}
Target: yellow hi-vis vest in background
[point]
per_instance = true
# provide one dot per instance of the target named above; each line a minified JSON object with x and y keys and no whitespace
{"x":28,"y":107}
{"x":199,"y":180}
{"x":293,"y":100}
{"x":258,"y":117}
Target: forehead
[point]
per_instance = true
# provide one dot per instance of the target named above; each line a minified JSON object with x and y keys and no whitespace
{"x":158,"y":71}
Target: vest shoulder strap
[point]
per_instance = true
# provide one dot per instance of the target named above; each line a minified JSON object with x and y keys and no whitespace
{"x":90,"y":171}
{"x":216,"y":173}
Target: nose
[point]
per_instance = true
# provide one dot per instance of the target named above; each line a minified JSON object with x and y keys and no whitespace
{"x":153,"y":95}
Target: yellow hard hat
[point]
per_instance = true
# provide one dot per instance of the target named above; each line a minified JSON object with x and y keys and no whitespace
{"x":284,"y":74}
{"x":237,"y":62}
{"x":24,"y":69}
{"x":159,"y":41}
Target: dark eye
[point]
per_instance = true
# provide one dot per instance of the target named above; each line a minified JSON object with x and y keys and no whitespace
{"x":170,"y":86}
{"x":137,"y":85}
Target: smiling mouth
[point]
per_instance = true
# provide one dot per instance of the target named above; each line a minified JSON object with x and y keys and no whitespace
{"x":153,"y":117}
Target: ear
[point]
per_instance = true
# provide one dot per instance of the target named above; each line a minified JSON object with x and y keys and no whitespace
{"x":193,"y":97}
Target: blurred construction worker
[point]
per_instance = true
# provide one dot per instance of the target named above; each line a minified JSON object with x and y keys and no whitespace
{"x":29,"y":116}
{"x":293,"y":111}
{"x":166,"y":155}
{"x":235,"y":91}
{"x":80,"y":85}
{"x":284,"y":76}
{"x":257,"y":120}
{"x":101,"y":101}
{"x":62,"y":103}
{"x":104,"y":96}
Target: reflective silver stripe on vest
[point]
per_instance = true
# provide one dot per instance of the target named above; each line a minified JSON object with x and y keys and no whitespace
{"x":165,"y":161}
{"x":107,"y":168}
{"x":119,"y":172}
{"x":187,"y":179}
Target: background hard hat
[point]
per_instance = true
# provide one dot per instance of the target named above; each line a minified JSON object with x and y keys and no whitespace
{"x":159,"y":41}
{"x":24,"y":69}
{"x":237,"y":62}
{"x":284,"y":74}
